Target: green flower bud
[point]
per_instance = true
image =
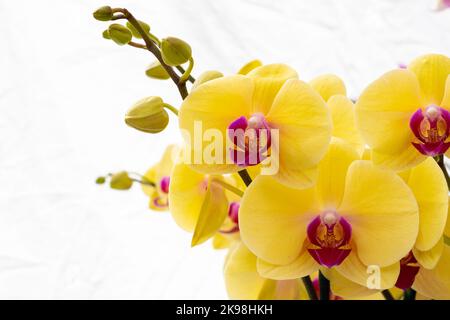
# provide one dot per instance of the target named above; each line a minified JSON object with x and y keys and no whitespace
{"x":157,"y":71}
{"x":205,"y":77}
{"x":100,"y":180}
{"x":133,"y":30}
{"x":175,"y":51}
{"x":119,"y":34}
{"x":148,"y":115}
{"x":106,"y":35}
{"x":120,"y":181}
{"x":103,"y":14}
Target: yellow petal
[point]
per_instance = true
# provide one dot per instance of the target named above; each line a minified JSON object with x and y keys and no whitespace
{"x":282,"y":290}
{"x":214,"y":105}
{"x":328,"y":85}
{"x":332,"y":173}
{"x":249,"y":66}
{"x":344,"y":123}
{"x":268,"y":80}
{"x":430,"y":189}
{"x":435,"y":283}
{"x":186,"y":194}
{"x":446,"y":99}
{"x":302,"y":266}
{"x":212,"y":214}
{"x":241,"y":278}
{"x":403,"y":160}
{"x":383,"y":112}
{"x":428,"y":259}
{"x":367,"y":275}
{"x":243,"y":282}
{"x":304,"y":125}
{"x":345,"y":288}
{"x":431,"y":70}
{"x":273,"y":219}
{"x":222,"y":241}
{"x":382,"y":211}
{"x":447,"y":225}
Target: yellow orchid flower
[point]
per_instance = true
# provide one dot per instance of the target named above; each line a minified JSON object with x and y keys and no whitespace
{"x":404,"y":115}
{"x":357,"y":215}
{"x":160,"y":175}
{"x":268,"y":98}
{"x":228,"y":233}
{"x":203,"y":205}
{"x":429,"y":187}
{"x":243,"y":281}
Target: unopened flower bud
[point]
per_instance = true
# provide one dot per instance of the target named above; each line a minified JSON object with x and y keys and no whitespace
{"x":135,"y":33}
{"x":103,"y":14}
{"x":205,"y":77}
{"x":106,"y":35}
{"x":119,"y":34}
{"x":120,"y":181}
{"x":100,"y":180}
{"x":175,"y":51}
{"x":157,"y":71}
{"x":148,"y":115}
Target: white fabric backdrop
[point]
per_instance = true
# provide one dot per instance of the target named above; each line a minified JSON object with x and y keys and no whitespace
{"x":63,"y":94}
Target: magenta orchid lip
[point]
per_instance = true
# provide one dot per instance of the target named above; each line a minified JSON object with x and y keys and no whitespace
{"x":431,"y":127}
{"x":251,"y":138}
{"x":329,"y":235}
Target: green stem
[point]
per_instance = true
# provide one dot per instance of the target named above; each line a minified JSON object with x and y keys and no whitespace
{"x":410,"y":294}
{"x":245,"y":177}
{"x":324,"y":286}
{"x":309,"y":288}
{"x":171,"y":108}
{"x":147,"y":183}
{"x":387,"y":295}
{"x":228,"y":187}
{"x":185,"y":76}
{"x":440,"y":161}
{"x":181,"y":69}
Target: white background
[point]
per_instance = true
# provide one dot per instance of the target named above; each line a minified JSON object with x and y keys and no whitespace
{"x":63,"y":94}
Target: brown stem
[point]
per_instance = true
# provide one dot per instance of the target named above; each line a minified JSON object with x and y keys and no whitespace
{"x":179,"y":68}
{"x":153,"y":48}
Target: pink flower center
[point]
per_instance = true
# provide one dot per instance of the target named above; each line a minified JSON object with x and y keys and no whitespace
{"x":251,"y":139}
{"x":164,"y":184}
{"x":329,"y":236}
{"x":233,"y":214}
{"x":432,"y":128}
{"x":408,"y":271}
